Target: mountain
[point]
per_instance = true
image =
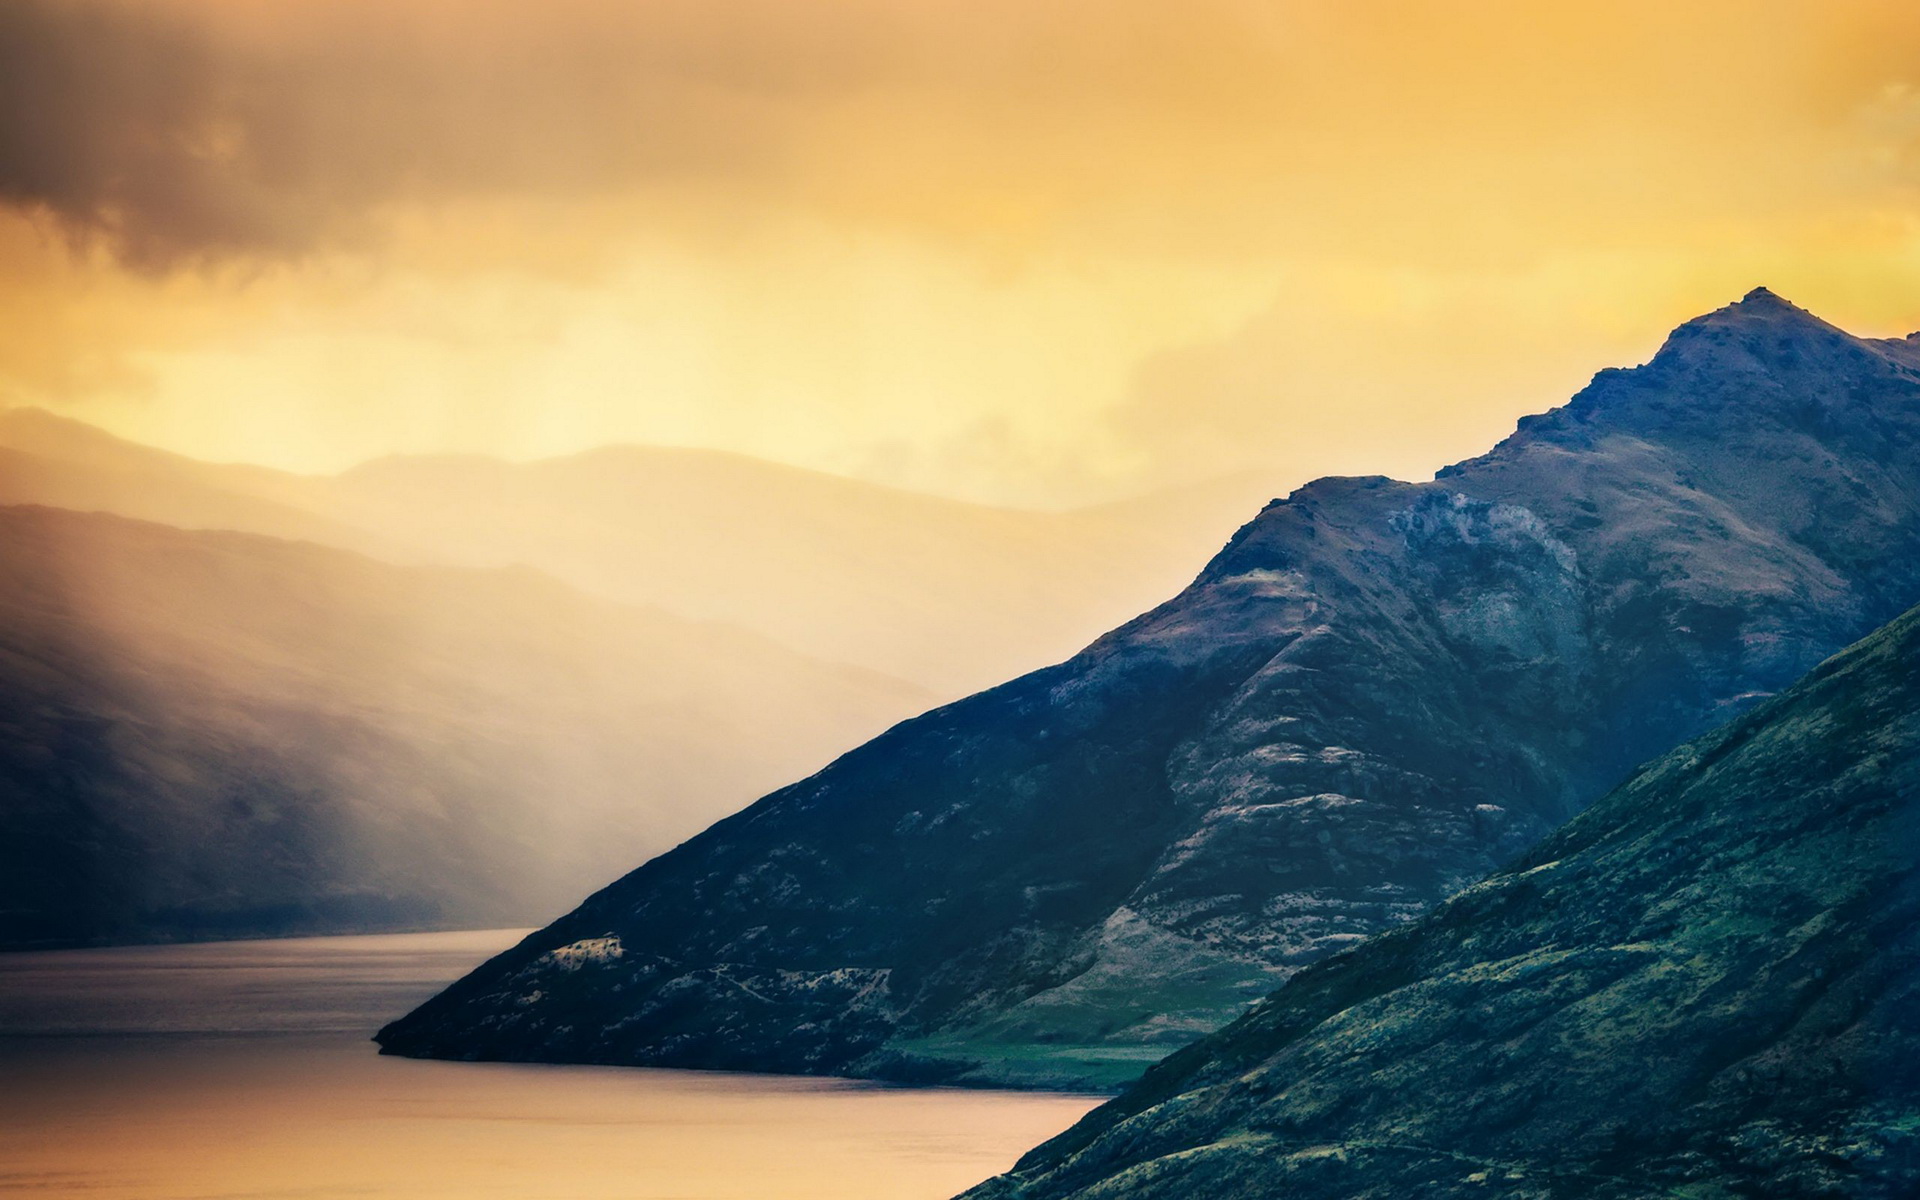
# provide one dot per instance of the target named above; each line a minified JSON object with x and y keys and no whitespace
{"x":1377,"y":693}
{"x":950,"y":595}
{"x":1707,"y":985}
{"x":51,"y":461}
{"x":211,"y":734}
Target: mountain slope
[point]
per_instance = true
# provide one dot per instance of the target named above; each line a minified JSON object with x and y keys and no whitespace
{"x":1707,"y":985}
{"x":61,"y":464}
{"x":212,"y":734}
{"x":950,"y":595}
{"x":1377,"y":693}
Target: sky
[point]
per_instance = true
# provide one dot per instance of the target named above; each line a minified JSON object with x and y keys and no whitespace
{"x":1032,"y":252}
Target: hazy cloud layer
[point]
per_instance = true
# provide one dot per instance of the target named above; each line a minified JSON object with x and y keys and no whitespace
{"x":184,"y":129}
{"x":955,"y":242}
{"x":176,"y":135}
{"x":179,"y":129}
{"x":107,"y":122}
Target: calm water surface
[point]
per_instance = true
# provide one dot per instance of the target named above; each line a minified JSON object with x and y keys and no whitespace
{"x":243,"y":1069}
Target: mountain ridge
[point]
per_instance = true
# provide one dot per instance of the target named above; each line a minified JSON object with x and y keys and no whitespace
{"x":1376,"y":693}
{"x":945,"y":593}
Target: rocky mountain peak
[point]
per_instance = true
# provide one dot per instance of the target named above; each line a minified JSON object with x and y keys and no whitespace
{"x":1764,"y":297}
{"x":1761,"y":324}
{"x":1757,"y":369}
{"x":1377,"y":693}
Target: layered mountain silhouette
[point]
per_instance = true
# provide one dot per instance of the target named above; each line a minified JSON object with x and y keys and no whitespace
{"x":947,"y":595}
{"x":1706,"y":985}
{"x":214,"y":734}
{"x":53,"y":462}
{"x":1376,"y":694}
{"x":718,"y":566}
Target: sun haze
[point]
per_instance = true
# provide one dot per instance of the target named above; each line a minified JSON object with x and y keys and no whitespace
{"x":1034,"y":253}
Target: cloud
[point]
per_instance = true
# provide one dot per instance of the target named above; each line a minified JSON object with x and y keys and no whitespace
{"x":183,"y":132}
{"x":111,"y":125}
{"x":929,"y":239}
{"x":1353,"y":370}
{"x":175,"y":131}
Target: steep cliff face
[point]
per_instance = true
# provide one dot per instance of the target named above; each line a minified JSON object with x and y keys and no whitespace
{"x":1377,"y":693}
{"x":1706,"y":985}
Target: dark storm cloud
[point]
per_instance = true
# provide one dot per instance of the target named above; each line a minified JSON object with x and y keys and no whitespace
{"x":111,"y":124}
{"x":179,"y":130}
{"x":171,"y":137}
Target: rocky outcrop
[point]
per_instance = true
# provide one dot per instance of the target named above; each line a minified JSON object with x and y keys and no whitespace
{"x":1374,"y":695}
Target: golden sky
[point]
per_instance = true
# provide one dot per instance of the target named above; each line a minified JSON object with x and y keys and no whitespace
{"x":1031,"y":251}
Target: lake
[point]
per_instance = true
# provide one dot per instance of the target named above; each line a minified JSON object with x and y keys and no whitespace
{"x":243,"y":1069}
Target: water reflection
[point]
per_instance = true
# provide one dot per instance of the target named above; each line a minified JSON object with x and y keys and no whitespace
{"x":243,"y":1070}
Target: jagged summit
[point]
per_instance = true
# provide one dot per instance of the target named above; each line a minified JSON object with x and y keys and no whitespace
{"x":1763,"y":333}
{"x":1760,"y":304}
{"x":1760,"y":307}
{"x":1752,"y":371}
{"x":1375,"y":694}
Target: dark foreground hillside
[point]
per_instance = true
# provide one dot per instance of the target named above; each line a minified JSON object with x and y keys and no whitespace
{"x":1706,"y":986}
{"x":1376,"y":694}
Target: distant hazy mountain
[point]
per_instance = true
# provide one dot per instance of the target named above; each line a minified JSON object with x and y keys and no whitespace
{"x":49,"y":461}
{"x":209,"y":734}
{"x":1704,"y":986}
{"x":1374,"y":695}
{"x":952,"y":596}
